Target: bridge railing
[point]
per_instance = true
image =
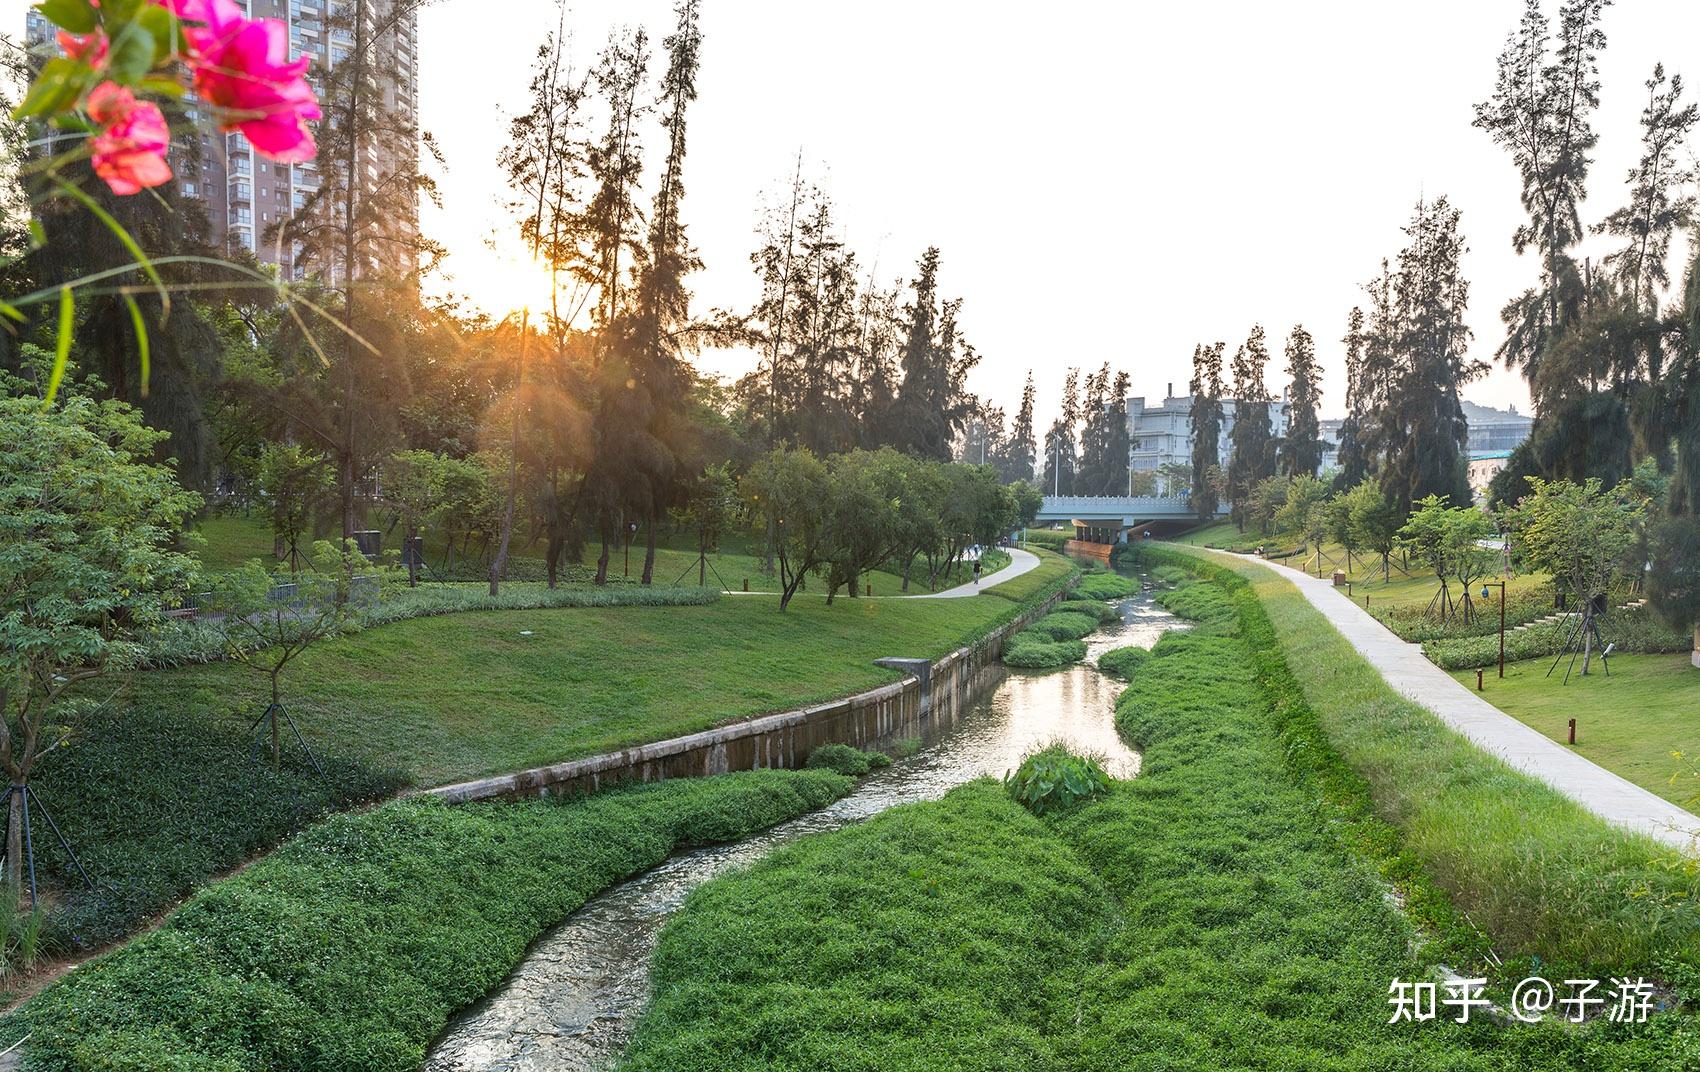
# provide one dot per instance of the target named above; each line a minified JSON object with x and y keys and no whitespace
{"x":1130,"y":509}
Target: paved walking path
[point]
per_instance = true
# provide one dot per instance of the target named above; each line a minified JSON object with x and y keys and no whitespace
{"x":1019,"y":562}
{"x":1487,"y":727}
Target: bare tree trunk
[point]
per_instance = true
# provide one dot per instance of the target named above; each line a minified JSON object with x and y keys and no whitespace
{"x":350,"y":256}
{"x":15,"y":844}
{"x":649,"y":551}
{"x":499,"y":567}
{"x":602,"y":560}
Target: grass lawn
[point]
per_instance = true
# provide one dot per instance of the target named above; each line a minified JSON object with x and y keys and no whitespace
{"x":1628,"y":723}
{"x":464,"y":695}
{"x":1220,"y":534}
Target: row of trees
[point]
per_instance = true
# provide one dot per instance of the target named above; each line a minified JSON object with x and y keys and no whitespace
{"x":843,"y":516}
{"x":1256,"y":453}
{"x":1611,"y":351}
{"x":565,"y":425}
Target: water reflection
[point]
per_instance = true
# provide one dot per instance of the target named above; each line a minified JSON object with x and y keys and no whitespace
{"x":575,"y":999}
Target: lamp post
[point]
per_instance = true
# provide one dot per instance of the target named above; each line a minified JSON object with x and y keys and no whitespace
{"x":631,"y":534}
{"x":1501,"y":586}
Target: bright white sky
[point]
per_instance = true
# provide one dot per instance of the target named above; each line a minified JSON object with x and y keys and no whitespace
{"x":1107,"y":181}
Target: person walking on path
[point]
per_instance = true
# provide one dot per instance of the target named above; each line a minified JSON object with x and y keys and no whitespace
{"x":977,"y":563}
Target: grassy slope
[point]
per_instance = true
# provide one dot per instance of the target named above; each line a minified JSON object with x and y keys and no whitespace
{"x":1206,"y":915}
{"x":1533,"y":869}
{"x":464,"y":695}
{"x":1629,"y":722}
{"x":163,"y":794}
{"x":351,"y":946}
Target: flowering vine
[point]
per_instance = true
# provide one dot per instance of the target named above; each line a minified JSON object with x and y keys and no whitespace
{"x":116,"y":53}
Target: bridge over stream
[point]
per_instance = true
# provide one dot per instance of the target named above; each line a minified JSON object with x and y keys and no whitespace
{"x":1106,"y":520}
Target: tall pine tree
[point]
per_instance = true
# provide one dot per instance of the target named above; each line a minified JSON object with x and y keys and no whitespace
{"x":1021,"y":445}
{"x":1354,"y":459}
{"x":1301,"y":450}
{"x":1061,"y":462}
{"x":1252,"y":441}
{"x":1425,"y":450}
{"x":1206,"y":423}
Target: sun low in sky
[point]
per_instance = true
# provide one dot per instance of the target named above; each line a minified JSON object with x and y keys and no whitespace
{"x":1108,"y":182}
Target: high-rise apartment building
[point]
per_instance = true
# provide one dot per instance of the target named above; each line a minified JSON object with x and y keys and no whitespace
{"x":245,"y":195}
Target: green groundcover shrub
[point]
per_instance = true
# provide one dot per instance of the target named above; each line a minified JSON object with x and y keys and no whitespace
{"x":1101,"y":586}
{"x":1170,"y":575}
{"x":1054,"y":780}
{"x":1104,"y":612}
{"x":1414,"y":621}
{"x":846,"y":759}
{"x":1121,"y":663}
{"x":1221,"y":911}
{"x":1052,"y":576}
{"x":156,"y":801}
{"x":1050,"y":539}
{"x":1206,"y":604}
{"x":1630,"y":630}
{"x":1064,"y":625}
{"x":1035,"y":651}
{"x":352,"y":945}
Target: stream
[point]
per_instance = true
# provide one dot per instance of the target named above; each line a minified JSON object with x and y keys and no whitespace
{"x":575,"y":999}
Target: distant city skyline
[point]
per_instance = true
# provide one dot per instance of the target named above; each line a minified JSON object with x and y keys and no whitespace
{"x":1106,"y":182}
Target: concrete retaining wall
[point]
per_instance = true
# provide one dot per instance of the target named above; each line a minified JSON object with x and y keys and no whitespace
{"x":931,"y":698}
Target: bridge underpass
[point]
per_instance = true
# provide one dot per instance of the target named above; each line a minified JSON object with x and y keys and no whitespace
{"x":1102,"y":521}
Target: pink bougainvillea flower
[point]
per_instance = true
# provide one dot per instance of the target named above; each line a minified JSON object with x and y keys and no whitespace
{"x":89,"y":48}
{"x":242,"y":67}
{"x":191,"y":10}
{"x":129,"y":151}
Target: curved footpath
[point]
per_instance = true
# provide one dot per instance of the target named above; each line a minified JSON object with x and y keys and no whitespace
{"x":1019,"y":562}
{"x":1413,"y":676}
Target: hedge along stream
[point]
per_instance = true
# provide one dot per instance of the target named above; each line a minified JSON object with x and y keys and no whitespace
{"x":1221,"y":911}
{"x":349,"y":947}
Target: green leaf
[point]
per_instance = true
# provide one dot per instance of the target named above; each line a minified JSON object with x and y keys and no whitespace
{"x":162,"y":86}
{"x":62,"y":350}
{"x":162,"y":26}
{"x":132,"y":53}
{"x":9,"y":310}
{"x":59,"y":85}
{"x":142,"y":344}
{"x":77,"y":16}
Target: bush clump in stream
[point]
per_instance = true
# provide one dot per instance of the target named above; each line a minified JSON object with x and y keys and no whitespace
{"x":1064,"y":625}
{"x":1102,"y":586}
{"x":846,"y":759}
{"x":1104,"y":612}
{"x":1122,"y":662}
{"x":1056,"y":780}
{"x":1036,"y":651}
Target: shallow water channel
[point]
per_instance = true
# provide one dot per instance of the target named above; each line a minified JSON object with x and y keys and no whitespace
{"x":575,"y":999}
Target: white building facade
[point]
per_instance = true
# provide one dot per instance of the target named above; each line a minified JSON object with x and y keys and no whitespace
{"x":1161,"y":435}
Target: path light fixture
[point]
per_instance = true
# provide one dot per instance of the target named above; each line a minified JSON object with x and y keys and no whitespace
{"x":1501,"y":584}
